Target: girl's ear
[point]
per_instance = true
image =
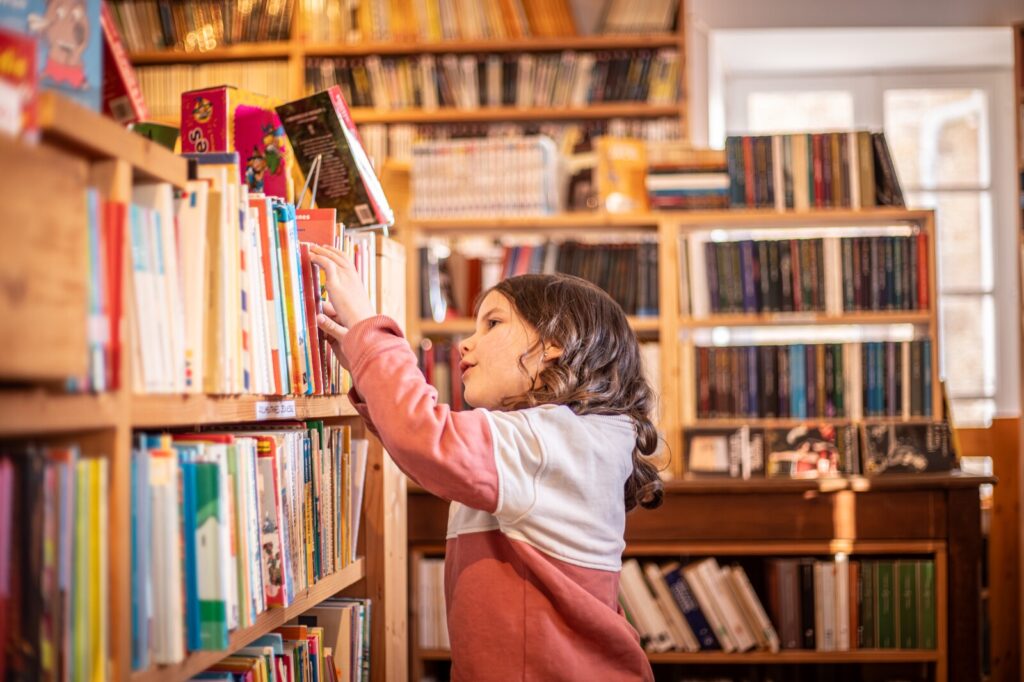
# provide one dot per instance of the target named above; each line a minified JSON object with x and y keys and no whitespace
{"x":552,"y":352}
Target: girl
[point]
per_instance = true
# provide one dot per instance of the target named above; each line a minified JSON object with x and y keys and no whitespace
{"x":540,"y":474}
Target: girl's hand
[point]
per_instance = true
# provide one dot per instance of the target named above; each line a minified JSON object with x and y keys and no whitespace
{"x":344,"y":287}
{"x":334,"y":333}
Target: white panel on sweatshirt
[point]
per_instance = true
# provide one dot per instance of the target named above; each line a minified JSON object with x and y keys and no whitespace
{"x":560,"y":484}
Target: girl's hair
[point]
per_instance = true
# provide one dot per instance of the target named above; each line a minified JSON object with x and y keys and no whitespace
{"x":599,"y":371}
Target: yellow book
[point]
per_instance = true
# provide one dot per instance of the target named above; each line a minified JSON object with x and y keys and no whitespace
{"x":622,"y":174}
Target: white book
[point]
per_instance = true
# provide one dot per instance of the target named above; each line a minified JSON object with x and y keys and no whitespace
{"x":360,"y":457}
{"x":824,"y":606}
{"x":145,"y":346}
{"x":760,"y":623}
{"x":700,"y":298}
{"x":648,"y":619}
{"x":841,"y":569}
{"x":722,"y":593}
{"x":168,"y":635}
{"x":192,"y":208}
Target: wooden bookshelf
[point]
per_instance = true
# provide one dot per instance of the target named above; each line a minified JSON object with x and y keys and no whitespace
{"x":94,"y":152}
{"x":809,"y":318}
{"x":934,"y":516}
{"x":465,"y":326}
{"x":595,"y":111}
{"x":199,"y":661}
{"x":590,"y":42}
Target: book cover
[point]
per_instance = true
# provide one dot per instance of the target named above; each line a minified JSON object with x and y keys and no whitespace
{"x":18,"y":83}
{"x":809,"y":450}
{"x":320,"y":126}
{"x":68,"y":44}
{"x":907,"y":448}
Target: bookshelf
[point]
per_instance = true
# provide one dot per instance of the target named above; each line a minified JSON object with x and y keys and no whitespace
{"x":295,"y":52}
{"x":931,"y":516}
{"x":80,"y":149}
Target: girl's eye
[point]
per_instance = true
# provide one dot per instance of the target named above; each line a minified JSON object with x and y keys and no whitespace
{"x":491,"y":324}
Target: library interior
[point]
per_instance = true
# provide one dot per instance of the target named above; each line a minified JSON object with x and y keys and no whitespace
{"x":779,"y":246}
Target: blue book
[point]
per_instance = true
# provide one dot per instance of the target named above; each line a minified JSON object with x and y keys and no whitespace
{"x":798,"y":381}
{"x":753,"y":395}
{"x":69,"y":44}
{"x":691,"y":611}
{"x":193,"y":638}
{"x":747,"y":266}
{"x":142,"y":609}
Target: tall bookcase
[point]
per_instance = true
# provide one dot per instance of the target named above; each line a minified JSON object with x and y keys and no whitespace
{"x":932,"y":517}
{"x":44,"y":263}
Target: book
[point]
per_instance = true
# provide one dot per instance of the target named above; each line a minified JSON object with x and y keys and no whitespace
{"x":18,"y":83}
{"x":907,"y":448}
{"x":68,"y":44}
{"x":621,"y":174}
{"x":811,"y":451}
{"x":321,"y":126}
{"x":122,"y":97}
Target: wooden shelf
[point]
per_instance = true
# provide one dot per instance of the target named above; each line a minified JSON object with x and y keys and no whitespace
{"x":690,"y":220}
{"x":67,"y":124}
{"x":500,"y":114}
{"x":466,"y":325}
{"x":860,"y":484}
{"x":783,"y":657}
{"x":37,"y":412}
{"x":731,"y":423}
{"x":196,"y":662}
{"x":594,"y":42}
{"x":782,"y":548}
{"x":160,"y":411}
{"x":808,"y":318}
{"x":800,"y":656}
{"x":268,"y":50}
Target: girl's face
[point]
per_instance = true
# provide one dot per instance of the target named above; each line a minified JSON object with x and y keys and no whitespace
{"x":490,"y":357}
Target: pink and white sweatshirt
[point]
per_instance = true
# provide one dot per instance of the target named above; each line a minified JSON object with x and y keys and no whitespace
{"x":535,"y":530}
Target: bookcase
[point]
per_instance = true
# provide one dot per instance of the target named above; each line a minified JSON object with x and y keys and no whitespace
{"x":862,"y":517}
{"x":287,"y":65}
{"x":44,"y":264}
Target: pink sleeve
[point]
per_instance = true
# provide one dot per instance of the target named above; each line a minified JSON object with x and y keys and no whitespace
{"x":448,"y":453}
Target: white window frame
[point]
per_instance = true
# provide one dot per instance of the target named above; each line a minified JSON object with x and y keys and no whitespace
{"x":868,"y":91}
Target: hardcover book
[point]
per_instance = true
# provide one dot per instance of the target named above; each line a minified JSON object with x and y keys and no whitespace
{"x":320,"y":126}
{"x":811,"y":451}
{"x":68,"y":44}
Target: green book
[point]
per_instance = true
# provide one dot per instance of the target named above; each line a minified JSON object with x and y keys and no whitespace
{"x":886,"y":597}
{"x":906,"y":571}
{"x":213,"y":609}
{"x":867,"y":606}
{"x":926,"y":604}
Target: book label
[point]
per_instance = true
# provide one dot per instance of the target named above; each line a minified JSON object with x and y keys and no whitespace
{"x":275,"y":409}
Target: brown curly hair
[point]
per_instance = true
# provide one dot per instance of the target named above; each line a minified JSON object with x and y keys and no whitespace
{"x":599,"y":371}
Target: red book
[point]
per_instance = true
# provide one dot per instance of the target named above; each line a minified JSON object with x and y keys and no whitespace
{"x":19,"y":85}
{"x":923,"y":279}
{"x":122,"y":96}
{"x":114,"y":216}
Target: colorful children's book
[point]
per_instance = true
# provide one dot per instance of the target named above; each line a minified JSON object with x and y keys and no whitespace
{"x":68,"y":50}
{"x":18,"y":83}
{"x":321,"y":126}
{"x":225,"y":119}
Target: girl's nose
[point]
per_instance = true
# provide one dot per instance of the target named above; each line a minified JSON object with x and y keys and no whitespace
{"x":464,"y":345}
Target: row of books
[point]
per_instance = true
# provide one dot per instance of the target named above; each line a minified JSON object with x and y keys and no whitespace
{"x":328,"y":643}
{"x":833,"y":380}
{"x":55,"y":590}
{"x":847,"y":604}
{"x":396,"y":141}
{"x":412,"y":21}
{"x":566,"y":79}
{"x":812,"y":170}
{"x":817,"y":450}
{"x":485,"y":177}
{"x":831,"y":275}
{"x":200,"y":25}
{"x":628,"y":271}
{"x":823,"y":605}
{"x":226,"y":525}
{"x":163,"y":86}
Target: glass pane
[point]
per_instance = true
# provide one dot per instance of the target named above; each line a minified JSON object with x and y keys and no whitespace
{"x":964,"y":224}
{"x":784,"y":112}
{"x":968,"y":343}
{"x":971,"y":413}
{"x":938,"y":138}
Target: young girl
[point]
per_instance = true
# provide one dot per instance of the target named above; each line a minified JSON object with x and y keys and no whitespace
{"x":540,"y":474}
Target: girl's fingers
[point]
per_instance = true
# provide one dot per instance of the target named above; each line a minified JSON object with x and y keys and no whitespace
{"x":329,"y":310}
{"x":332,"y":254}
{"x":331,"y":327}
